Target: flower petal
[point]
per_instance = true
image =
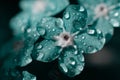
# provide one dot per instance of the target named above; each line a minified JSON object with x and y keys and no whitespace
{"x":75,"y":17}
{"x":52,"y":26}
{"x":47,"y":7}
{"x":19,"y":23}
{"x":28,"y":76}
{"x":111,"y":2}
{"x":90,"y":3}
{"x":114,"y":16}
{"x":106,"y":28}
{"x":70,"y":62}
{"x":46,"y":51}
{"x":91,"y":41}
{"x":24,"y":56}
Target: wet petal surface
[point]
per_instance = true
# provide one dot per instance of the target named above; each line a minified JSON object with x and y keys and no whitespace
{"x":114,"y":16}
{"x":28,"y":76}
{"x":24,"y":56}
{"x":46,"y":51}
{"x":52,"y":26}
{"x":71,"y":62}
{"x":19,"y":23}
{"x":74,"y":18}
{"x":106,"y":28}
{"x":90,"y":41}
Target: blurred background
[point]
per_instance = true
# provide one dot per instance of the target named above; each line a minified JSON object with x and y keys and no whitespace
{"x":104,"y":65}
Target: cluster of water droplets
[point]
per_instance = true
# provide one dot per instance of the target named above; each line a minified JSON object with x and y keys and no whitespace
{"x":72,"y":61}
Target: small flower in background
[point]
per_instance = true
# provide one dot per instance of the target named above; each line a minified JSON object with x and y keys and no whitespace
{"x":68,"y":38}
{"x":32,"y":12}
{"x":105,"y":12}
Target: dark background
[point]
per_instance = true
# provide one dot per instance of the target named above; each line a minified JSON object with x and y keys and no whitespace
{"x":102,"y":66}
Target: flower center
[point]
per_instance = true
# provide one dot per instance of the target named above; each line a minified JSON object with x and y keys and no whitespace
{"x":65,"y":39}
{"x":101,"y":10}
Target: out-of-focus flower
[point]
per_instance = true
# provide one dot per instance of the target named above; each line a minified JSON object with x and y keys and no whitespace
{"x":32,"y":12}
{"x":105,"y":12}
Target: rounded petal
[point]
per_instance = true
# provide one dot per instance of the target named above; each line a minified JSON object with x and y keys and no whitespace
{"x":52,"y":26}
{"x":90,"y":3}
{"x":19,"y":23}
{"x":24,"y":56}
{"x":114,"y":16}
{"x":46,"y":7}
{"x":46,"y":51}
{"x":90,"y":41}
{"x":33,"y":32}
{"x":70,"y":62}
{"x":106,"y":28}
{"x":75,"y":17}
{"x":28,"y":76}
{"x":111,"y":2}
{"x":23,"y":21}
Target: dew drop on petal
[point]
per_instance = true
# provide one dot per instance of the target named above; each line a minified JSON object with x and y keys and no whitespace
{"x":80,"y":67}
{"x":81,"y":8}
{"x":67,"y":15}
{"x":83,"y":37}
{"x":39,"y":47}
{"x":41,"y":31}
{"x":116,"y":14}
{"x":28,"y":30}
{"x":91,"y":49}
{"x":91,"y":31}
{"x":64,"y":67}
{"x":40,"y":56}
{"x":115,"y":23}
{"x":81,"y":51}
{"x":72,"y":61}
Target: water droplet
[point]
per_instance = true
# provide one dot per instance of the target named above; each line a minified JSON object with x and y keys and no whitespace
{"x":81,"y":8}
{"x":72,"y":61}
{"x":76,"y":52}
{"x":28,"y":30}
{"x":64,"y":67}
{"x":53,"y":30}
{"x":83,"y":37}
{"x":84,"y":43}
{"x":40,"y":56}
{"x":91,"y":49}
{"x":81,"y":51}
{"x":98,"y":31}
{"x":80,"y":67}
{"x":91,"y":31}
{"x":59,"y":23}
{"x":41,"y":31}
{"x":116,"y":14}
{"x":67,"y":15}
{"x":115,"y":23}
{"x":39,"y":47}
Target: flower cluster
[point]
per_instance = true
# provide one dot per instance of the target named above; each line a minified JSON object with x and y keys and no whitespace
{"x":105,"y":12}
{"x":82,"y":29}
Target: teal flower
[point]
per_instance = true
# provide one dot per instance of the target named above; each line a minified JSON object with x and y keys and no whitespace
{"x":32,"y":12}
{"x":106,"y":12}
{"x":68,"y":38}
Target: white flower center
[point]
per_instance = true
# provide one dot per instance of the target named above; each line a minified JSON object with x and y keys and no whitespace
{"x":39,"y":6}
{"x":65,"y":39}
{"x":101,"y":10}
